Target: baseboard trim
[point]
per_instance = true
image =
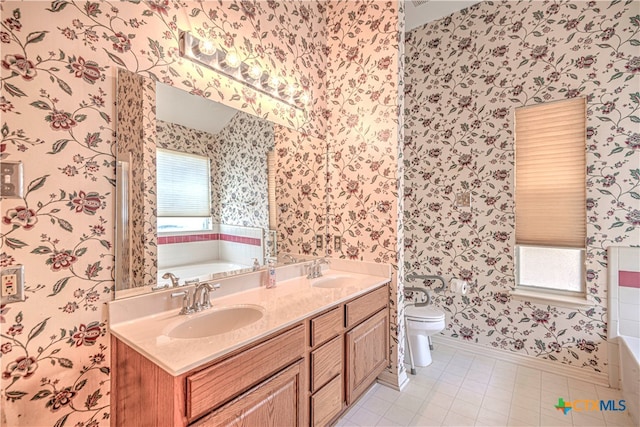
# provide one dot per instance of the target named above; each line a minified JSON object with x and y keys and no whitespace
{"x":396,"y":382}
{"x":601,"y":378}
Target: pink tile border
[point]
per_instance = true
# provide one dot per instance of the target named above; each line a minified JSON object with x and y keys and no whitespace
{"x":240,"y":239}
{"x":167,"y":240}
{"x":629,"y":279}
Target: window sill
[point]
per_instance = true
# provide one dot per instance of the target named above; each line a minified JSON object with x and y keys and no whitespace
{"x":555,"y":299}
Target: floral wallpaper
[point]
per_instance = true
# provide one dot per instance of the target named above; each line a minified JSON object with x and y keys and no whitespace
{"x":363,"y":130}
{"x":465,"y":74}
{"x":300,"y":191}
{"x":238,"y":156}
{"x":136,"y":147}
{"x":241,"y":171}
{"x":57,"y":78}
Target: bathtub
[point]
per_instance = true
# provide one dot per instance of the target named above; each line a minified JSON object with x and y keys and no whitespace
{"x":624,"y":325}
{"x":629,"y":348}
{"x":200,"y":272}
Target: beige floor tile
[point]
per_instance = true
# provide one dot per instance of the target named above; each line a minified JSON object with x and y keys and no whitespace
{"x":465,"y":409}
{"x":496,"y":406}
{"x":400,"y":416}
{"x":618,"y":419}
{"x":425,"y":421}
{"x":376,"y":405}
{"x":452,"y":378}
{"x":434,"y":411}
{"x":409,"y":402}
{"x":364,"y":417}
{"x":488,"y":415}
{"x":440,"y":399}
{"x":456,"y":420}
{"x":446,"y":388}
{"x":582,"y":419}
{"x":385,"y":422}
{"x":470,"y":396}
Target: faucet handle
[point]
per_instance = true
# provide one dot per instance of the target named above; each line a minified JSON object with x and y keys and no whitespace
{"x":175,"y":281}
{"x":201,"y":295}
{"x":186,"y":301}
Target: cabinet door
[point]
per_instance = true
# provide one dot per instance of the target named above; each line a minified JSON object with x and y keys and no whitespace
{"x":274,"y":402}
{"x":367,"y":354}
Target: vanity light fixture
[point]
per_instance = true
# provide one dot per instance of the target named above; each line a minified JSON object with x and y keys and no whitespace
{"x":229,"y":64}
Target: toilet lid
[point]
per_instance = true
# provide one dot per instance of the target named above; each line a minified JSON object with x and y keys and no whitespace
{"x":423,"y":313}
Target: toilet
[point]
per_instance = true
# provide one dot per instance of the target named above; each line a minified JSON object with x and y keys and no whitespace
{"x":422,"y":322}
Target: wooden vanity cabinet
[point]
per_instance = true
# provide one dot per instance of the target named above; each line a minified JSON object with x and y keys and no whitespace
{"x":261,"y":383}
{"x":308,"y":374}
{"x":367,"y":354}
{"x":349,"y":348}
{"x":326,"y":367}
{"x":274,"y":402}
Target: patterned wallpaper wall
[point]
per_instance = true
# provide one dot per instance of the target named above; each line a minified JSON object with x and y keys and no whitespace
{"x":465,"y":74}
{"x":57,"y":71}
{"x":363,"y":128}
{"x":240,"y":169}
{"x":300,"y":191}
{"x":238,"y":156}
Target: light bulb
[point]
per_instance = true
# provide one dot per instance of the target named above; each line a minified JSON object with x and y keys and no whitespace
{"x":255,"y":72}
{"x":290,"y":90}
{"x":232,"y":60}
{"x":206,"y":47}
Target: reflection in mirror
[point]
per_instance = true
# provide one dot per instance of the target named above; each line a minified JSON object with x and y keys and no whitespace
{"x":254,"y":189}
{"x":193,"y":143}
{"x":235,"y":146}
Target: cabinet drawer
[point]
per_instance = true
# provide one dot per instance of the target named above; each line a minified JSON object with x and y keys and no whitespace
{"x":326,"y":363}
{"x":326,"y":326}
{"x":327,"y":402}
{"x":274,"y":402}
{"x":363,"y":307}
{"x":215,"y":385}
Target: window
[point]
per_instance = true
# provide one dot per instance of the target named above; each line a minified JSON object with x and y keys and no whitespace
{"x":184,"y":195}
{"x":550,"y":196}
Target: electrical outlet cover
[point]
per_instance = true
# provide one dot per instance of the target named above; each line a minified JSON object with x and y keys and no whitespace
{"x":9,"y":285}
{"x":12,"y":284}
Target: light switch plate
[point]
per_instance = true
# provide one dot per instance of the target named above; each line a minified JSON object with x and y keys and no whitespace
{"x":337,"y":243}
{"x":11,"y":179}
{"x":463,"y":200}
{"x":12,"y":280}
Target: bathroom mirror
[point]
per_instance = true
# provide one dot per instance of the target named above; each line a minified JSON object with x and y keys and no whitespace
{"x":158,"y":234}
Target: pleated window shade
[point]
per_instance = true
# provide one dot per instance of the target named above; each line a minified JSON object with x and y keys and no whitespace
{"x":183,"y":184}
{"x":550,"y":174}
{"x":271,"y":179}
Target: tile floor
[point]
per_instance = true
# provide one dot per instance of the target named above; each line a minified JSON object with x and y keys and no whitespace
{"x":463,"y":389}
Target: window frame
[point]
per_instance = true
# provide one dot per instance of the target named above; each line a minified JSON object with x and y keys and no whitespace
{"x":558,"y":296}
{"x":207,"y":221}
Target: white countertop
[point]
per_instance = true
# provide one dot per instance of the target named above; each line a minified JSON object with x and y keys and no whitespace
{"x":290,"y":302}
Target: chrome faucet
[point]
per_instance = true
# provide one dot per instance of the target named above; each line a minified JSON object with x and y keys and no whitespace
{"x":187,"y":301}
{"x":197,"y":300}
{"x":285,"y":256}
{"x":201,"y":295}
{"x":175,"y":281}
{"x":314,"y":268}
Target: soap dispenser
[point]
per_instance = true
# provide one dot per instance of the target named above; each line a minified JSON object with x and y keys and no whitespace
{"x":271,"y":279}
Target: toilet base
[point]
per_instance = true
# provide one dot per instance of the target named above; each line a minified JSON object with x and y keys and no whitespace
{"x":420,"y":348}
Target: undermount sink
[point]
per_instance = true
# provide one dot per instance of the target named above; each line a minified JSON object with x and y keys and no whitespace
{"x":216,"y":321}
{"x":332,"y":281}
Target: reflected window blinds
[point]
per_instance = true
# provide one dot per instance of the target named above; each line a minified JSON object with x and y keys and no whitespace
{"x":183,"y":184}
